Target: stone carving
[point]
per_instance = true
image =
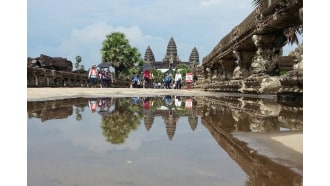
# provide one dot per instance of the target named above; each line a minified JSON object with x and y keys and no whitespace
{"x":256,"y":46}
{"x":239,"y":71}
{"x":292,"y":81}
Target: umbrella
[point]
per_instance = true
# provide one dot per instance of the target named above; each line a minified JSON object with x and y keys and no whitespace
{"x":104,"y":65}
{"x":147,"y":66}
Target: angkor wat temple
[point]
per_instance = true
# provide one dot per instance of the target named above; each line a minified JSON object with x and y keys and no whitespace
{"x":171,"y":59}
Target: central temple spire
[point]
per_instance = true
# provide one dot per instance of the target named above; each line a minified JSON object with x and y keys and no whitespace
{"x":171,"y":56}
{"x":171,"y":48}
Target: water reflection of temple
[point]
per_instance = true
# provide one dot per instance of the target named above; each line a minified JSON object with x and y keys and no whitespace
{"x":250,"y":114}
{"x":170,"y":119}
{"x":54,"y":109}
{"x":62,"y":108}
{"x":231,"y":113}
{"x":222,"y":116}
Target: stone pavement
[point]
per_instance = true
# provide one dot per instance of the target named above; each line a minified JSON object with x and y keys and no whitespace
{"x":43,"y":94}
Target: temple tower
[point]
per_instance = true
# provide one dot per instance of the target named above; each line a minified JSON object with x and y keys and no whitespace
{"x":194,"y":57}
{"x":171,"y":57}
{"x":149,"y":56}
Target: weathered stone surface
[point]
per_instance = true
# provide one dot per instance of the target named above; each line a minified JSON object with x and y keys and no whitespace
{"x":53,"y":63}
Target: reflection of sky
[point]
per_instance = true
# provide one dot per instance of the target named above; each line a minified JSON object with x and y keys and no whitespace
{"x":76,"y":152}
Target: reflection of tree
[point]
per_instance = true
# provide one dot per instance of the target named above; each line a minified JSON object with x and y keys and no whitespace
{"x":78,"y":110}
{"x":157,"y":103}
{"x":125,"y":118}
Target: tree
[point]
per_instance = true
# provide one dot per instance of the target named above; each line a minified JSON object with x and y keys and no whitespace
{"x":117,"y":51}
{"x":183,"y":69}
{"x":126,"y":117}
{"x":78,"y":60}
{"x":158,"y":75}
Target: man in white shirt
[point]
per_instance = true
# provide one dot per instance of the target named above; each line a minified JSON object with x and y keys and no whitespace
{"x":177,"y":79}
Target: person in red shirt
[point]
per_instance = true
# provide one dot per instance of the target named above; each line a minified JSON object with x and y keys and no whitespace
{"x":93,"y":75}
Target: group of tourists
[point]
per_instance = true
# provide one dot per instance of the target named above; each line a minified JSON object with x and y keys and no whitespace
{"x":145,"y":81}
{"x":99,"y":78}
{"x":103,"y":78}
{"x":168,"y":81}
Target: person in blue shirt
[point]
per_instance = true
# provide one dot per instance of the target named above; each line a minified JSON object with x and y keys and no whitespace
{"x":136,"y":82}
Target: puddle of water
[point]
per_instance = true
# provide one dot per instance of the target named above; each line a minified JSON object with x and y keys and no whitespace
{"x":166,"y":140}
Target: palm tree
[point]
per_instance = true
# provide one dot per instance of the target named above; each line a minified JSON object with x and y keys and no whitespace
{"x":117,"y":51}
{"x":124,"y":119}
{"x":78,"y":60}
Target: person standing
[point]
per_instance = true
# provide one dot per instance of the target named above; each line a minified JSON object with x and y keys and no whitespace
{"x":93,"y":75}
{"x":177,"y":79}
{"x":109,"y":78}
{"x":136,"y":81}
{"x":146,"y":77}
{"x":104,"y":82}
{"x":167,"y":81}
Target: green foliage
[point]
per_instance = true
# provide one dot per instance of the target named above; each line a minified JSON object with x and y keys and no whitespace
{"x":134,"y":70}
{"x":158,"y":75}
{"x":125,"y":118}
{"x":117,"y":51}
{"x":283,"y":72}
{"x":183,"y":69}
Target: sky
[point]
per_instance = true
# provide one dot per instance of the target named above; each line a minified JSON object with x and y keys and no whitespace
{"x":66,"y":29}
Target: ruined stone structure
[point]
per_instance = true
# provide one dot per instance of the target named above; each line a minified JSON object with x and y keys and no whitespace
{"x":46,"y":71}
{"x":171,"y":59}
{"x":42,"y":77}
{"x":249,"y":58}
{"x":52,"y":63}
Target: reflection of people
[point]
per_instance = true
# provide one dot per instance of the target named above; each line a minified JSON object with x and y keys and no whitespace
{"x":147,"y":103}
{"x":178,"y":101}
{"x":92,"y":103}
{"x":168,"y":100}
{"x":93,"y":75}
{"x":136,"y":99}
{"x":102,"y":104}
